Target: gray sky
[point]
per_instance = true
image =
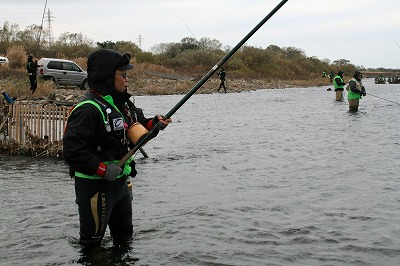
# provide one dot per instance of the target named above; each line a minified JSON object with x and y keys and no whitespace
{"x":365,"y":32}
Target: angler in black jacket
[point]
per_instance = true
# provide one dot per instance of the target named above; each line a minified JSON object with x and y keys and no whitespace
{"x":32,"y":67}
{"x":96,"y":137}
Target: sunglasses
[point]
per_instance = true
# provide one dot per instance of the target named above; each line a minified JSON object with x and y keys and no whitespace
{"x":124,"y":75}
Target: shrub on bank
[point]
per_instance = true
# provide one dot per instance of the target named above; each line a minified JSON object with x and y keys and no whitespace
{"x":17,"y":56}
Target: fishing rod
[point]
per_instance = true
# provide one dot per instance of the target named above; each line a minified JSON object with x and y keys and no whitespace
{"x":383,"y":98}
{"x":41,"y":26}
{"x":214,"y":69}
{"x":143,"y":152}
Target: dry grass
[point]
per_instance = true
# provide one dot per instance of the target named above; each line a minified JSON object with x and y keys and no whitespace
{"x":164,"y":87}
{"x":81,"y":61}
{"x":140,"y":68}
{"x":16,"y":83}
{"x":17,"y":56}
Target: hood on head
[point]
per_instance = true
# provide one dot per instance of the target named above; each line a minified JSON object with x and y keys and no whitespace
{"x":340,"y":73}
{"x":357,"y":75}
{"x":101,"y":67}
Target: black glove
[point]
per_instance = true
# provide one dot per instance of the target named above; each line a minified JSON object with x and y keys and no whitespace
{"x":159,"y":125}
{"x":363,"y":93}
{"x":133,"y":172}
{"x":112,"y":172}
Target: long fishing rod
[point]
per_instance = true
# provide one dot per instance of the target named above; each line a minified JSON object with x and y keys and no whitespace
{"x":382,"y":98}
{"x":41,"y":26}
{"x":146,"y":137}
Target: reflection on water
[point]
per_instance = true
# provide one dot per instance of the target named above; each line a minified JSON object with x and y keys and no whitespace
{"x":276,"y":177}
{"x":107,"y":255}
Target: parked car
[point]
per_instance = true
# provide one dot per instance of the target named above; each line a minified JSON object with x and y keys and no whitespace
{"x":62,"y":72}
{"x":3,"y":60}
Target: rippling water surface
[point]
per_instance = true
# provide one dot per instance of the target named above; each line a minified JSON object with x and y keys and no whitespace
{"x":270,"y":177}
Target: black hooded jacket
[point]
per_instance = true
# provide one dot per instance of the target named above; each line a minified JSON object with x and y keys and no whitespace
{"x":86,"y":141}
{"x":352,"y":84}
{"x":31,"y":66}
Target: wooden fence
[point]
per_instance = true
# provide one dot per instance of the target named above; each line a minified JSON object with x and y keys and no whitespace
{"x":36,"y":121}
{"x":33,"y":128}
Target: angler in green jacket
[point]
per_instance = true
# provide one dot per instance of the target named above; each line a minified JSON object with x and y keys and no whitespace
{"x":355,"y":91}
{"x":338,"y":85}
{"x":96,"y":138}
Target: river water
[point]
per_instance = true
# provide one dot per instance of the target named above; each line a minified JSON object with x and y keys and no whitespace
{"x":269,"y":177}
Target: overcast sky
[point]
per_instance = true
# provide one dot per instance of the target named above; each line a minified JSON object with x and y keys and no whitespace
{"x":363,"y":31}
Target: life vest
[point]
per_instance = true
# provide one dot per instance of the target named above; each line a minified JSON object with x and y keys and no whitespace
{"x":354,"y":95}
{"x":116,"y":143}
{"x":337,"y":86}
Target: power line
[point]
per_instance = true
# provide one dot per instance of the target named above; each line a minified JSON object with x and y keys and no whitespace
{"x":19,"y":13}
{"x":21,"y":19}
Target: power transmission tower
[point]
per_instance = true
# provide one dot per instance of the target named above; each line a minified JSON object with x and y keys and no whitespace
{"x":50,"y":37}
{"x":140,"y":41}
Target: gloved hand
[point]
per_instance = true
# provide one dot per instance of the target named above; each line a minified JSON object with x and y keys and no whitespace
{"x":363,"y":93}
{"x":160,"y":126}
{"x":112,"y":172}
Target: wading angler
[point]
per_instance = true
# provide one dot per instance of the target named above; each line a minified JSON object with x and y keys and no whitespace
{"x":101,"y":129}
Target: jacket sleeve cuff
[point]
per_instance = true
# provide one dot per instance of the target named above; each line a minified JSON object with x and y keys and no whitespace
{"x":101,"y":170}
{"x":149,"y":124}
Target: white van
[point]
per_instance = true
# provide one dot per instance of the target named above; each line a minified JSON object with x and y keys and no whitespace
{"x":3,"y":60}
{"x":62,"y":72}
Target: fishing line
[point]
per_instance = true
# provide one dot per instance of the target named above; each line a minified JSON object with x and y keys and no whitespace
{"x":188,"y":28}
{"x":393,"y":41}
{"x":382,"y":98}
{"x":211,"y":72}
{"x":384,"y":60}
{"x":391,"y":38}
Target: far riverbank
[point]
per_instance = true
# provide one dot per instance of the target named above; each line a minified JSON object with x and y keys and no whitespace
{"x":47,"y":91}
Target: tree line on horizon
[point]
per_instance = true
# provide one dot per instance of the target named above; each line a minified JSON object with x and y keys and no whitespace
{"x":189,"y":56}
